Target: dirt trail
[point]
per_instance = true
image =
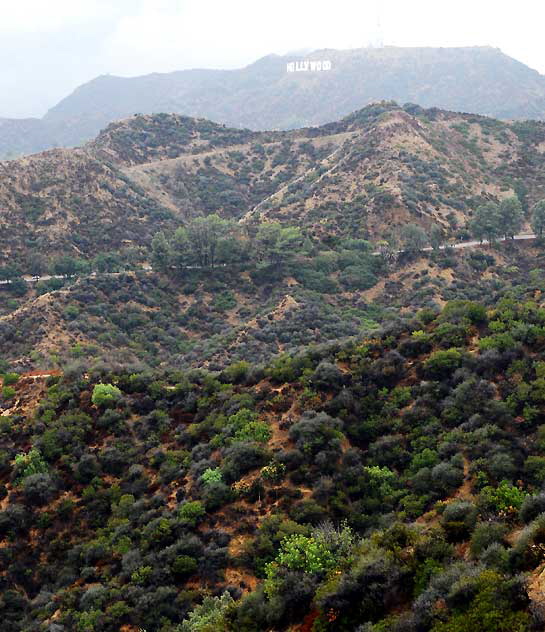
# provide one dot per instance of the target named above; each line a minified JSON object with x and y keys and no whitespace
{"x":464,"y":492}
{"x":29,"y":391}
{"x":536,"y":587}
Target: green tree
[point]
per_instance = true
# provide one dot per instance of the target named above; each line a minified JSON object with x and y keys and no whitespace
{"x":161,"y":252}
{"x":106,"y":395}
{"x":510,"y":216}
{"x":437,"y":237}
{"x":279,"y":243}
{"x":413,"y":238}
{"x":538,"y":218}
{"x":10,"y":272}
{"x":521,"y":191}
{"x":18,"y":287}
{"x":486,"y":222}
{"x":68,"y":265}
{"x":201,"y":240}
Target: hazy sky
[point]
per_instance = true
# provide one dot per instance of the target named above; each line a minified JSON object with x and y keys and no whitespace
{"x":49,"y":47}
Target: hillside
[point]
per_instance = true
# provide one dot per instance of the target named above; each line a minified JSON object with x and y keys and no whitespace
{"x":275,"y":381}
{"x":364,"y":176}
{"x":246,"y":312}
{"x":263,"y":95}
{"x":392,"y":483}
{"x":103,"y":213}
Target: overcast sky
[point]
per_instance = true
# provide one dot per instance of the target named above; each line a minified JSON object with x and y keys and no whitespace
{"x":49,"y":47}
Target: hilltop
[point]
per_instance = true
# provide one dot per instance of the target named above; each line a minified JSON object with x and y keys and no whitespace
{"x":480,"y":80}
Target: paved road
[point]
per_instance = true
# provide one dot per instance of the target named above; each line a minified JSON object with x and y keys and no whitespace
{"x":470,"y":244}
{"x":147,"y":268}
{"x":96,"y":275}
{"x":485,"y":242}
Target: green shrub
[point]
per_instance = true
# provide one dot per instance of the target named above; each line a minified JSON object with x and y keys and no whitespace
{"x":442,"y":363}
{"x":210,"y":616}
{"x":504,"y":498}
{"x":257,"y":431}
{"x":191,"y":512}
{"x":105,"y":395}
{"x":459,"y":519}
{"x":8,"y":392}
{"x":485,"y":534}
{"x":29,"y":464}
{"x":487,"y":606}
{"x":10,"y":378}
{"x":211,"y":476}
{"x":532,"y":507}
{"x":184,"y":565}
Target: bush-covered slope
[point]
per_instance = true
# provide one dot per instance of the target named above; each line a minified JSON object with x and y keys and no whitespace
{"x":389,"y":484}
{"x":247,"y":311}
{"x":364,"y":176}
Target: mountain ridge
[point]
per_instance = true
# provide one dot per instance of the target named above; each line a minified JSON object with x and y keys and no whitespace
{"x":368,"y":174}
{"x":262,"y":95}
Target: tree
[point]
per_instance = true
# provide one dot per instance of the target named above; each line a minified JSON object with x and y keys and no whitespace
{"x":161,"y":252}
{"x":521,"y":191}
{"x":18,"y":287}
{"x":105,"y":395}
{"x":67,"y":265}
{"x":486,"y":222}
{"x":538,"y":218}
{"x":437,"y":237}
{"x":510,"y":216}
{"x":277,"y":242}
{"x":413,"y":238}
{"x":10,"y":272}
{"x":200,"y":241}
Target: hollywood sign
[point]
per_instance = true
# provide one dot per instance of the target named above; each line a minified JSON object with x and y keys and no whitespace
{"x":308,"y":66}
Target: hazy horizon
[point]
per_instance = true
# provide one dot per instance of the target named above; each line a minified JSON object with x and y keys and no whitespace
{"x":54,"y":47}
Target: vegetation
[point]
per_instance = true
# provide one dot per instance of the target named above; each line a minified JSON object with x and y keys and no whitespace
{"x":169,"y":494}
{"x":277,"y":426}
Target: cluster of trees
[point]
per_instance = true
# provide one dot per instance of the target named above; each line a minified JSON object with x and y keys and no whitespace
{"x":71,"y":266}
{"x":492,"y":220}
{"x":211,"y":241}
{"x":505,"y":219}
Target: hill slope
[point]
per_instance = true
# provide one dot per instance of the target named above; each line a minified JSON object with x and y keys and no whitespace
{"x":263,"y":95}
{"x":363,"y":176}
{"x":390,"y":484}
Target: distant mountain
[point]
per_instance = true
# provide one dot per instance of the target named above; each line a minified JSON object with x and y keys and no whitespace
{"x":264,"y":95}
